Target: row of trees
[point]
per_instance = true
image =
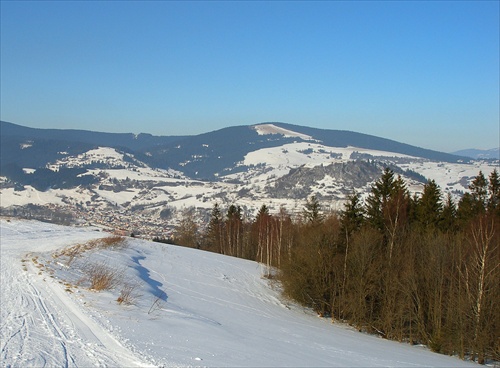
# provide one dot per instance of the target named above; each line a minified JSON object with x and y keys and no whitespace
{"x":413,"y":268}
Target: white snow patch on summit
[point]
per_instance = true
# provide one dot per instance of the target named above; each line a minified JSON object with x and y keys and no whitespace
{"x":264,"y":129}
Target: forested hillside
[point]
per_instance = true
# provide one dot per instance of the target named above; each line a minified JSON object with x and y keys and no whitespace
{"x":415,"y":268}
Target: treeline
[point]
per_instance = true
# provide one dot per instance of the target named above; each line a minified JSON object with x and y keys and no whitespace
{"x":419,"y":268}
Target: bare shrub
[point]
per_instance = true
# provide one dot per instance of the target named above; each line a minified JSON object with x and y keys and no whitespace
{"x":128,"y":294}
{"x":156,"y":305}
{"x":101,"y":276}
{"x":70,"y":253}
{"x":112,"y":241}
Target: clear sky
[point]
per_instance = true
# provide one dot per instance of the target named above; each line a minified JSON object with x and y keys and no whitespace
{"x":424,"y":73}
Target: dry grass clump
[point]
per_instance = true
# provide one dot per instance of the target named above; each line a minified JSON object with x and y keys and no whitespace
{"x":102,"y":276}
{"x":112,"y":241}
{"x":23,"y":262}
{"x":128,"y":294}
{"x":70,"y":253}
{"x":99,"y":275}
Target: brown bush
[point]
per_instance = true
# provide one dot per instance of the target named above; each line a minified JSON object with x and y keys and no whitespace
{"x":112,"y":241}
{"x":101,"y":276}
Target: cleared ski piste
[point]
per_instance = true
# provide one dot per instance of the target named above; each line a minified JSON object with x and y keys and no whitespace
{"x":191,"y":308}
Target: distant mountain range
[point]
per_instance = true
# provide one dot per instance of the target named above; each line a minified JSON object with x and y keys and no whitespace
{"x":478,"y":154}
{"x":276,"y":164}
{"x":203,"y":156}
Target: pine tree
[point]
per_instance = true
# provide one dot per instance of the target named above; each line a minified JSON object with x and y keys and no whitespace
{"x":466,"y":208}
{"x":430,"y":207}
{"x":262,"y":224}
{"x":479,"y":191}
{"x":312,"y":211}
{"x":234,"y":230}
{"x":448,"y":214}
{"x":214,"y":231}
{"x":352,"y":216}
{"x":494,"y":193}
{"x":378,"y":198}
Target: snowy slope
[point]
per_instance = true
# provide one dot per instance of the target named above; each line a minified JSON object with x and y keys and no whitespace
{"x":192,"y":308}
{"x":125,"y":185}
{"x":264,"y":129}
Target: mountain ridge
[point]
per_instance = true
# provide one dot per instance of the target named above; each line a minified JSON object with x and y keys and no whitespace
{"x":276,"y":164}
{"x":204,"y":156}
{"x":478,"y":154}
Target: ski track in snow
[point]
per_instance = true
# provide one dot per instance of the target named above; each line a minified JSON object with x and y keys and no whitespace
{"x":42,"y":327}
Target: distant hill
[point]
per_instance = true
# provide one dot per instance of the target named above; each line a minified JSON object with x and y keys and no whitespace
{"x":127,"y":140}
{"x":478,"y":154}
{"x":214,"y":153}
{"x":275,"y":164}
{"x":203,"y":156}
{"x":344,"y":138}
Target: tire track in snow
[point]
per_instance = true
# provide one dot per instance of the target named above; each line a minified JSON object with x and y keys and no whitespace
{"x":40,"y":324}
{"x":27,"y":338}
{"x":99,"y":342}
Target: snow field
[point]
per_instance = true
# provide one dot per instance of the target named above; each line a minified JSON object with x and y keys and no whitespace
{"x":191,"y":308}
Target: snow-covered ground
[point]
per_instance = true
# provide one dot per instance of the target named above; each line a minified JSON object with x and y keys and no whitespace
{"x":191,"y":308}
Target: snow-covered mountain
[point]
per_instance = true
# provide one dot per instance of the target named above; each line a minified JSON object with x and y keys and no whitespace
{"x":169,"y":306}
{"x":493,"y":154}
{"x":274,"y":164}
{"x":203,"y":156}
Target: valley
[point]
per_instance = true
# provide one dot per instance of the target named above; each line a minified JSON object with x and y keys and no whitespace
{"x":122,"y":190}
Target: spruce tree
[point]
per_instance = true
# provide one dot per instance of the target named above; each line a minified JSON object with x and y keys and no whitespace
{"x":352,"y":216}
{"x":214,"y":230}
{"x":466,"y":208}
{"x":448,"y":215}
{"x":479,"y":191}
{"x":429,"y":206}
{"x":378,"y":198}
{"x":494,"y":193}
{"x":312,"y":211}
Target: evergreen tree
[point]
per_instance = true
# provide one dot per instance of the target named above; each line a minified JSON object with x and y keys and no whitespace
{"x":214,"y":230}
{"x":312,"y":211}
{"x":466,"y":208}
{"x":234,"y":213}
{"x":448,"y":214}
{"x":494,"y":193}
{"x":378,"y":198}
{"x":352,"y":216}
{"x":429,"y":207}
{"x":479,"y":191}
{"x":264,"y":210}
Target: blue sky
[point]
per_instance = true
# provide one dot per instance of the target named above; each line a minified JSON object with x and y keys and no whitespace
{"x":424,"y":73}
